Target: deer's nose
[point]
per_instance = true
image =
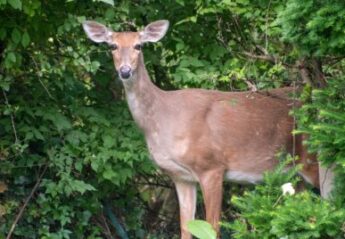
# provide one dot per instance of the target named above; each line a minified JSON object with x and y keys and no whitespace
{"x":125,"y":72}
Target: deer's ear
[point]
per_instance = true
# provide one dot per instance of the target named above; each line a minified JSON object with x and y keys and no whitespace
{"x":97,"y":32}
{"x":154,"y":31}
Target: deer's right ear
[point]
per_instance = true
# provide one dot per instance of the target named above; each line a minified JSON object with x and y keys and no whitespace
{"x":97,"y":32}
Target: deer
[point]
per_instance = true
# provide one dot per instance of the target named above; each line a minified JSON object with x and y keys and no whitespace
{"x":199,"y":136}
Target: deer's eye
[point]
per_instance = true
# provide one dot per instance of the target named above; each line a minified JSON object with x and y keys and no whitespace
{"x":137,"y":47}
{"x":113,"y":47}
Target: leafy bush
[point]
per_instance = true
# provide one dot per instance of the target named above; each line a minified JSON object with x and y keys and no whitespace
{"x":310,"y":25}
{"x":266,"y":213}
{"x":62,"y":109}
{"x":322,"y":117}
{"x":62,"y":119}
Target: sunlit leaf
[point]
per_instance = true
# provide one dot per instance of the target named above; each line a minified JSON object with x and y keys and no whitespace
{"x":201,"y":229}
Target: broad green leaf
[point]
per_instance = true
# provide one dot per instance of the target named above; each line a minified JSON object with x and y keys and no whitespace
{"x":94,"y":66}
{"x":109,"y":174}
{"x":16,"y":36}
{"x":25,"y":39}
{"x":108,"y":141}
{"x":3,"y":33}
{"x":11,"y":57}
{"x":81,"y":186}
{"x":60,"y":121}
{"x":16,"y":4}
{"x":110,"y":2}
{"x":110,"y":13}
{"x":201,"y":229}
{"x":4,"y":85}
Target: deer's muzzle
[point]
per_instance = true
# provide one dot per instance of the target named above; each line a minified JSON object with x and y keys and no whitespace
{"x":125,"y":72}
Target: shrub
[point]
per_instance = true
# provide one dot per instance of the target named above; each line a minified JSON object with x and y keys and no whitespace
{"x":266,"y":213}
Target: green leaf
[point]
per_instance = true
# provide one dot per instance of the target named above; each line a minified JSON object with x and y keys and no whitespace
{"x":5,"y":85}
{"x":110,"y":2}
{"x":108,"y":141}
{"x":16,"y":4}
{"x":110,"y":14}
{"x":201,"y":229}
{"x":3,"y":33}
{"x":60,"y":121}
{"x":25,"y":39}
{"x":16,"y":36}
{"x":11,"y":57}
{"x":81,"y":186}
{"x":95,"y":65}
{"x":109,"y":174}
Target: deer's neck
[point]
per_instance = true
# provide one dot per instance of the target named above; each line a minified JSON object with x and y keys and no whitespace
{"x":143,"y":97}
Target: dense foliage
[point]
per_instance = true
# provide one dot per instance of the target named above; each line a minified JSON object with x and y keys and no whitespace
{"x":70,"y":154}
{"x":267,"y":213}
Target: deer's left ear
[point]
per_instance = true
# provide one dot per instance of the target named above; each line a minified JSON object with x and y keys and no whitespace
{"x":154,"y":31}
{"x":97,"y":32}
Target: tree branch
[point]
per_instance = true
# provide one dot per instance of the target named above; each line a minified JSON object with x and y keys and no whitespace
{"x":12,"y":117}
{"x":21,"y":211}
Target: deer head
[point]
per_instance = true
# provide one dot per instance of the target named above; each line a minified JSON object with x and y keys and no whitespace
{"x":126,"y":46}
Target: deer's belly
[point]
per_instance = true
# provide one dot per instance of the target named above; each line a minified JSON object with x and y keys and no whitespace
{"x":243,"y":177}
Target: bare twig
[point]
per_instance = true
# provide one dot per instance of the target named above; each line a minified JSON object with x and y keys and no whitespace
{"x":12,"y":118}
{"x":39,"y":78}
{"x":261,"y":57}
{"x":252,"y":87}
{"x":270,"y":58}
{"x":21,"y":211}
{"x":319,"y":77}
{"x":294,"y":125}
{"x":278,"y":200}
{"x":304,"y":72}
{"x":108,"y":232}
{"x":266,"y":25}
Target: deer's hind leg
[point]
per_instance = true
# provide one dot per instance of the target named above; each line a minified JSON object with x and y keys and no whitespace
{"x":211,"y":183}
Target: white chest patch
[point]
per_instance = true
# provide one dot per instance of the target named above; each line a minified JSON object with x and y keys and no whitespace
{"x":243,"y":177}
{"x":132,"y":102}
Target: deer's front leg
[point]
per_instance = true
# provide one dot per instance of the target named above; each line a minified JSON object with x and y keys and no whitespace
{"x":211,"y":183}
{"x":186,"y":192}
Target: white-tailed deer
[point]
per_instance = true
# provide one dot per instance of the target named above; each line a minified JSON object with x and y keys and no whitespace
{"x":203,"y":136}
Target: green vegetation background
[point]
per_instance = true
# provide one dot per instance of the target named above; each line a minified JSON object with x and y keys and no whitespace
{"x":66,"y":135}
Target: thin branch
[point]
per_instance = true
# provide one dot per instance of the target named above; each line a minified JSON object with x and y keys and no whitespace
{"x":304,"y":72}
{"x":12,"y":117}
{"x":244,"y":41}
{"x":294,"y":125}
{"x":252,"y":87}
{"x":269,"y":58}
{"x":15,"y":222}
{"x":107,"y":229}
{"x":39,"y":78}
{"x":319,"y":77}
{"x":266,"y":25}
{"x":260,"y":57}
